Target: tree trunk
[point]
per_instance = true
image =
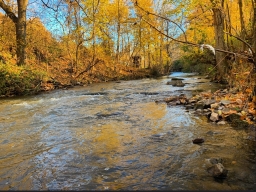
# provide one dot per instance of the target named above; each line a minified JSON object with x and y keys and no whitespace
{"x":254,"y":36}
{"x":218,"y":19}
{"x":243,"y":29}
{"x":118,"y":31}
{"x":20,"y":24}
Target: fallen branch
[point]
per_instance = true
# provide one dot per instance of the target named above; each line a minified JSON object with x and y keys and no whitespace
{"x":91,"y":64}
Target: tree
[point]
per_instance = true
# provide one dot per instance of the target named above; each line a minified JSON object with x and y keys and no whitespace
{"x":20,"y":25}
{"x":218,"y":22}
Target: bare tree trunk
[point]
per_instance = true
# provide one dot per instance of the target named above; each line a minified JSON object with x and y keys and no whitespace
{"x":218,"y":19}
{"x":118,"y":31}
{"x":243,"y":29}
{"x":228,"y":28}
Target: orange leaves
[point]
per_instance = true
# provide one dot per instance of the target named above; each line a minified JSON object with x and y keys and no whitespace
{"x":246,"y":73}
{"x":252,"y":111}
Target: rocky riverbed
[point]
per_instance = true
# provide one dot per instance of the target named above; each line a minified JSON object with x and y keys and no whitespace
{"x":221,"y":107}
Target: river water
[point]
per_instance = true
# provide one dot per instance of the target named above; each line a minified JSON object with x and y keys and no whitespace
{"x":113,"y":136}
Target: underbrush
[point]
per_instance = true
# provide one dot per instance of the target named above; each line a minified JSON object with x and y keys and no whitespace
{"x":19,"y":80}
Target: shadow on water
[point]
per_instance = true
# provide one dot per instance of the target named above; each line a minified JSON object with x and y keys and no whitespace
{"x":113,"y":136}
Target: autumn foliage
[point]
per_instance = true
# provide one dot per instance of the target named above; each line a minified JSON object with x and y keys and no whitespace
{"x":83,"y":41}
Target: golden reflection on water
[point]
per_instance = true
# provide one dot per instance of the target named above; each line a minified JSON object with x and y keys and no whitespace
{"x":108,"y":139}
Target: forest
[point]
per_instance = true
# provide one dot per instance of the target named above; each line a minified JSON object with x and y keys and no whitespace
{"x":127,"y":95}
{"x":52,"y":44}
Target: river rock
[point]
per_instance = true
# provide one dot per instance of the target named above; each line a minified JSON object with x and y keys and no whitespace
{"x":199,"y":105}
{"x":216,"y":160}
{"x":170,"y":99}
{"x":198,"y":141}
{"x":221,"y":123}
{"x":192,"y":100}
{"x":176,"y":83}
{"x":214,"y":105}
{"x":189,"y":107}
{"x":209,"y":102}
{"x":214,"y":116}
{"x":225,"y":102}
{"x":183,"y":101}
{"x":176,"y":78}
{"x":218,"y":171}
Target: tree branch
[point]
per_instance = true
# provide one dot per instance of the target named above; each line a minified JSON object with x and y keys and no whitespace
{"x":193,"y":44}
{"x":250,"y":47}
{"x":167,"y":19}
{"x":8,"y":10}
{"x":46,"y":5}
{"x":185,"y":42}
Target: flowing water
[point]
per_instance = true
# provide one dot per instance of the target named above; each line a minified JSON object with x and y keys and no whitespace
{"x":113,"y":136}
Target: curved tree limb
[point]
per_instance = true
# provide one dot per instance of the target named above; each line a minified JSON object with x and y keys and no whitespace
{"x":8,"y":11}
{"x":193,"y":44}
{"x":250,"y":47}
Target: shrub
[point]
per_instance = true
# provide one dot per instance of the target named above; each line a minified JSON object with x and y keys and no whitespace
{"x":19,"y":80}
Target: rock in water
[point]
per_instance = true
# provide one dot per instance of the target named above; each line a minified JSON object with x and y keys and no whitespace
{"x":218,"y":171}
{"x":198,"y":140}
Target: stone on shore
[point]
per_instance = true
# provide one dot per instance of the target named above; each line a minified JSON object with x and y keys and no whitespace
{"x":214,"y":116}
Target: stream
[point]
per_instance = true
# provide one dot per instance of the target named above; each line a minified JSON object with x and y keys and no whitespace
{"x":114,"y":136}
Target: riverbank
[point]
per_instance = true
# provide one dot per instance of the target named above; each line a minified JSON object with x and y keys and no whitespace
{"x":129,"y":73}
{"x":237,"y":108}
{"x":29,"y":80}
